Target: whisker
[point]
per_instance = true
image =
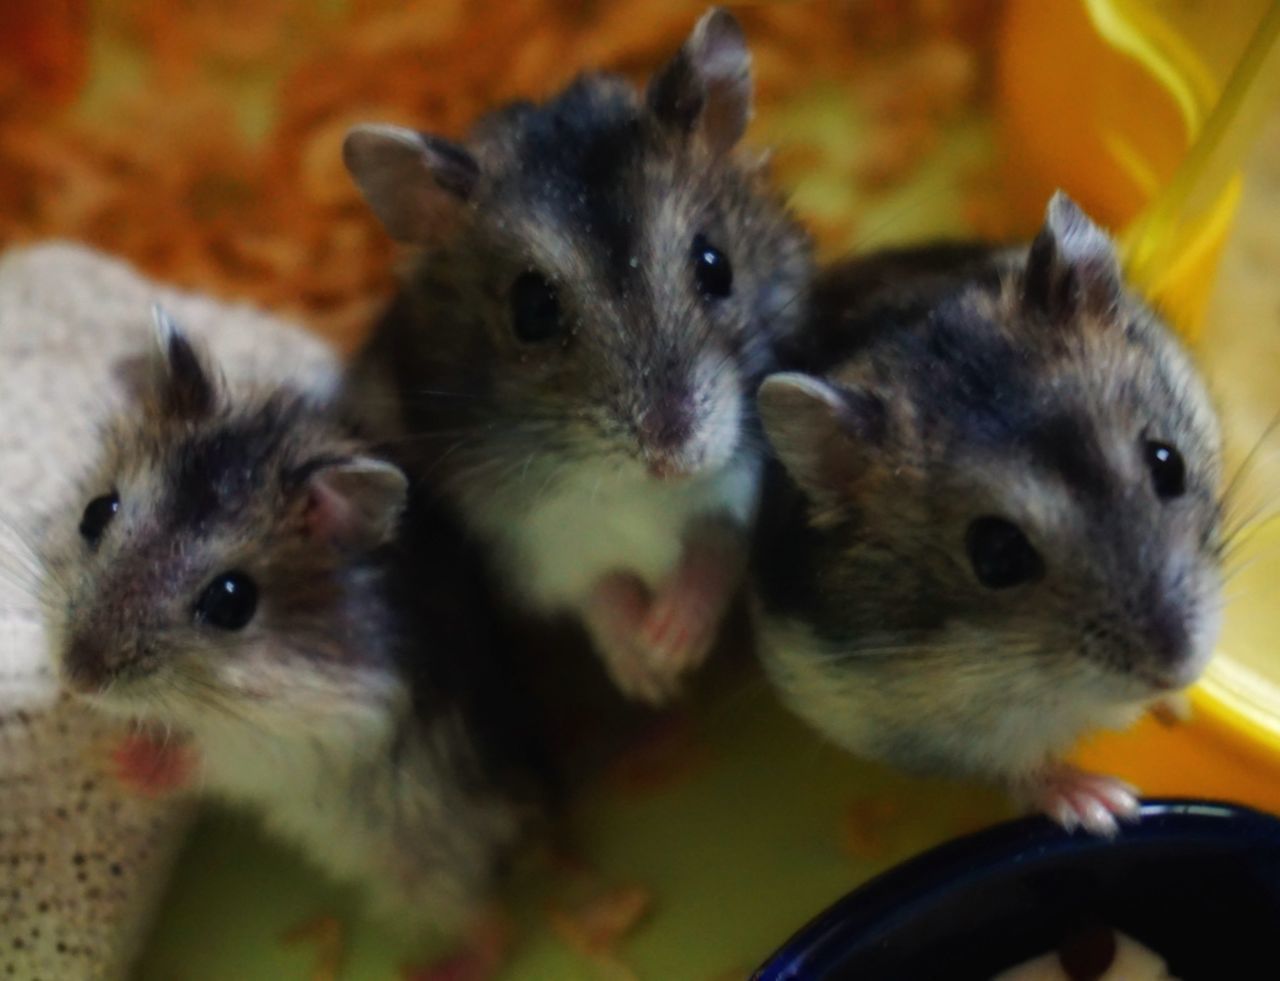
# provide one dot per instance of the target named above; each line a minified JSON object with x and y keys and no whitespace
{"x":1248,"y":528}
{"x":1251,"y":457}
{"x":1239,"y":561}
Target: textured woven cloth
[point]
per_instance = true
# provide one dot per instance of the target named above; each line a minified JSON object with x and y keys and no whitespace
{"x":82,"y":861}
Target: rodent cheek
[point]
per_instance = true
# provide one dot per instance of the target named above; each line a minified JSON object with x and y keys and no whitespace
{"x":1205,"y":635}
{"x":227,"y":670}
{"x":722,"y":428}
{"x":1206,"y":616}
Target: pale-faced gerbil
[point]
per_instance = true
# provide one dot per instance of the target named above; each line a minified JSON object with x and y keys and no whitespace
{"x":242,"y":572}
{"x":602,"y":282}
{"x":999,"y":522}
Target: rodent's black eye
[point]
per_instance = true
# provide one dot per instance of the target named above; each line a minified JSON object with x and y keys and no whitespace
{"x":97,"y":516}
{"x":535,"y":308}
{"x":1000,"y":554}
{"x":711,"y":269}
{"x":228,"y":603}
{"x":1168,"y":472}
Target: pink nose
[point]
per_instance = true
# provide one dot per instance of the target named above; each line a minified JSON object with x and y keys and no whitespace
{"x":666,"y":426}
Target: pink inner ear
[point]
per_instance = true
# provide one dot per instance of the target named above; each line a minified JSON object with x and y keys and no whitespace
{"x":329,"y":516}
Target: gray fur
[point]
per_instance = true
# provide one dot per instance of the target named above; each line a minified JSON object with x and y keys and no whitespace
{"x":875,"y":625}
{"x":601,"y":191}
{"x":338,"y":712}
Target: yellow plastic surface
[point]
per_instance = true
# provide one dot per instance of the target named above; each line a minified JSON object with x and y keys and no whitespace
{"x":1142,"y":111}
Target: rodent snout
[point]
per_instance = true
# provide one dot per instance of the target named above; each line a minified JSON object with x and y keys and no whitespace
{"x":86,"y":665}
{"x":689,"y":424}
{"x":1168,"y":640}
{"x":98,"y":654}
{"x":666,"y":424}
{"x":664,"y":433}
{"x":1177,"y":634}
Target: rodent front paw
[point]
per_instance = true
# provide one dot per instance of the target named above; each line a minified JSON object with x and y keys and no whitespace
{"x":152,"y":765}
{"x":678,"y":629}
{"x":1078,"y":799}
{"x":616,"y":616}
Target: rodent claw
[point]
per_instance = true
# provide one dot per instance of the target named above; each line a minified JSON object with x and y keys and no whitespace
{"x":1077,"y":799}
{"x":1096,"y":817}
{"x":1063,"y":814}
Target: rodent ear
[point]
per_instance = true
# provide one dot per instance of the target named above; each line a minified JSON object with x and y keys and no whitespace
{"x":820,"y":433}
{"x":177,"y":378}
{"x":706,"y":87}
{"x":355,"y":503}
{"x":1072,"y":265}
{"x":415,"y":183}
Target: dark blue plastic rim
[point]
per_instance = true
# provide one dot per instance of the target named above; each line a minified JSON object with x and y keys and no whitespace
{"x":820,"y":945}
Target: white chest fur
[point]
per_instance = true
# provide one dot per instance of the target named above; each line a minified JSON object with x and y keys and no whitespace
{"x":401,"y":825}
{"x":302,"y":771}
{"x":594,"y":522}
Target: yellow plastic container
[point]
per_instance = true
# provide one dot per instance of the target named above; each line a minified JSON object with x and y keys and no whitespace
{"x":1143,"y":111}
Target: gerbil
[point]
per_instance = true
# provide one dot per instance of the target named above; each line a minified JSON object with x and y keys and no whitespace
{"x":243,"y":573}
{"x":999,"y":522}
{"x":601,"y":285}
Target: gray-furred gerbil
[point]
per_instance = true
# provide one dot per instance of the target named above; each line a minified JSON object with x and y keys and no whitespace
{"x":244,"y":574}
{"x":999,"y":523}
{"x":602,"y":282}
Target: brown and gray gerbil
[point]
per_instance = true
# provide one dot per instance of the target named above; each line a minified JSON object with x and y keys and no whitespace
{"x":243,"y":573}
{"x":601,"y":285}
{"x":999,"y":522}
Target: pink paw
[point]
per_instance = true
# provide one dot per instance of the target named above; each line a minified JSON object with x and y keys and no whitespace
{"x":679,"y":628}
{"x":152,"y":766}
{"x":1078,"y":799}
{"x":615,"y":617}
{"x":652,"y":641}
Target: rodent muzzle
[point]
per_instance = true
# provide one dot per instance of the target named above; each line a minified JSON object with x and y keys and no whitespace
{"x":88,"y":664}
{"x":664,"y":434}
{"x":108,"y":639}
{"x":1175,"y":641}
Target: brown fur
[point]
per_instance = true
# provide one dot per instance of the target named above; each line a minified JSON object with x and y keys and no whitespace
{"x":1023,"y":388}
{"x":353,"y":711}
{"x":602,"y":191}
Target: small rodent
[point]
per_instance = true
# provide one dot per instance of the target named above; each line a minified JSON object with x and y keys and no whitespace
{"x":601,"y":284}
{"x":999,"y":523}
{"x":241,"y":572}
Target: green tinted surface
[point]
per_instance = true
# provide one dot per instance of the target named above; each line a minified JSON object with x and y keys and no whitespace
{"x":738,"y":854}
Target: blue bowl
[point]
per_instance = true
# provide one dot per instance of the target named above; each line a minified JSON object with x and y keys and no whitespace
{"x":1196,"y":881}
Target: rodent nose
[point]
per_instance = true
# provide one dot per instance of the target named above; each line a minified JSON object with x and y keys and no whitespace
{"x":663,"y":434}
{"x":666,"y":424}
{"x":1168,"y":637}
{"x":84,"y":665}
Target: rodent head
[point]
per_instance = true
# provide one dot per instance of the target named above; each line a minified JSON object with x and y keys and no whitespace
{"x":216,"y":550}
{"x":603,"y":275}
{"x":1022,"y":484}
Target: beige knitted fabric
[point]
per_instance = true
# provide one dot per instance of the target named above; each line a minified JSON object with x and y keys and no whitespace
{"x":81,"y":861}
